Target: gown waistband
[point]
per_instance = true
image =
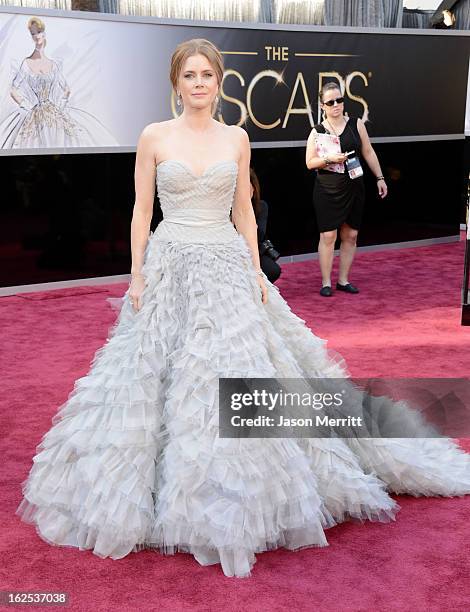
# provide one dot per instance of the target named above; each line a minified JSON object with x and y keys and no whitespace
{"x":195,"y":230}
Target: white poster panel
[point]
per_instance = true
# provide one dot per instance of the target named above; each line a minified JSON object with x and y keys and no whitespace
{"x":71,"y":82}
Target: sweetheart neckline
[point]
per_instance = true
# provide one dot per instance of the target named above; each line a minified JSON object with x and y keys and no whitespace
{"x":197,"y":176}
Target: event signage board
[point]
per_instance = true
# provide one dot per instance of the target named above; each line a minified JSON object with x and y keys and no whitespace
{"x":108,"y":77}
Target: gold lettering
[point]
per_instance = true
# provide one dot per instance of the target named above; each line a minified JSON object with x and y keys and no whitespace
{"x":265,"y":73}
{"x":246,"y":107}
{"x":349,"y":78}
{"x":223,"y":95}
{"x":277,"y":54}
{"x":299,"y":111}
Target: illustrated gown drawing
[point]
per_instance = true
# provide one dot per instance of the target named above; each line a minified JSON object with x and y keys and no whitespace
{"x":133,"y":459}
{"x":46,"y":118}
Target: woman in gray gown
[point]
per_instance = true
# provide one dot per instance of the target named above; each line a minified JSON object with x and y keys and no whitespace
{"x":134,"y":458}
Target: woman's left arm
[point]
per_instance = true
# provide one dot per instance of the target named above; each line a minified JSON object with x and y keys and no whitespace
{"x":370,"y":156}
{"x":243,"y":215}
{"x":62,"y":82}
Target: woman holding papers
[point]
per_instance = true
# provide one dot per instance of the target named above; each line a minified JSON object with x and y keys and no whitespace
{"x":335,"y":149}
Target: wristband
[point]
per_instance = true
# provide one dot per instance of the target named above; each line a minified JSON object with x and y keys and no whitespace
{"x":380,"y":178}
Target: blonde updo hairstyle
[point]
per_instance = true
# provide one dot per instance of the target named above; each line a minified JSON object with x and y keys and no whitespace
{"x":36,"y":22}
{"x":196,"y":46}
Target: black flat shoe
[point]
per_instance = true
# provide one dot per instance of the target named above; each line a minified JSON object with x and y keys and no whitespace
{"x":348,"y":288}
{"x":326,"y":291}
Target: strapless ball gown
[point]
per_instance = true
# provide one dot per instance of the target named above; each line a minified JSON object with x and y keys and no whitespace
{"x":133,"y":459}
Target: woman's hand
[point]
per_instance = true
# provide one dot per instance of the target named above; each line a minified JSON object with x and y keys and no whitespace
{"x":136,"y":289}
{"x":264,"y":289}
{"x":25,"y":104}
{"x":340,"y":158}
{"x":63,"y":102}
{"x":382,"y":187}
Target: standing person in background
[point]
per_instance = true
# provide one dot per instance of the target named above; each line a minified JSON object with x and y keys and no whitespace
{"x":268,"y":265}
{"x":339,"y":199}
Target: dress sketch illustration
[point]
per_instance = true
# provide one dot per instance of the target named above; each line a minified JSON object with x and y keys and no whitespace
{"x":45,"y":118}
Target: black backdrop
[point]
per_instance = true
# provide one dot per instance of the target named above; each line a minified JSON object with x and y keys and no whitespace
{"x":409,"y":84}
{"x":68,"y":216}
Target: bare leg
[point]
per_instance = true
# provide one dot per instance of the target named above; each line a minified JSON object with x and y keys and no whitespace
{"x":326,"y":249}
{"x":346,"y":252}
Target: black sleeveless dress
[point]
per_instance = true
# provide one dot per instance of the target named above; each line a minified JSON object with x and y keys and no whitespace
{"x":337,"y":198}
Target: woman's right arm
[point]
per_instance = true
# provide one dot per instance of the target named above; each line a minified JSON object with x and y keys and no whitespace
{"x":313,"y":161}
{"x":15,"y":89}
{"x":145,"y":174}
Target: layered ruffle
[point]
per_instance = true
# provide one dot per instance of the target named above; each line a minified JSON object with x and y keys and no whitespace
{"x":134,"y":459}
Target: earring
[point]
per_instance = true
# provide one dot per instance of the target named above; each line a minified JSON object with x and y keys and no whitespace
{"x":217,"y":105}
{"x":178,"y":100}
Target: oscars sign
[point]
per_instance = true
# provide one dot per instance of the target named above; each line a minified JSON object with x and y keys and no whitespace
{"x":289,"y":92}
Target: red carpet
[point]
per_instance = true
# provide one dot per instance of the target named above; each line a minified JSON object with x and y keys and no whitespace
{"x":405,"y":322}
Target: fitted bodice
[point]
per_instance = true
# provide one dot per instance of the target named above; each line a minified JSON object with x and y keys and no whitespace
{"x":196,"y":208}
{"x":41,"y":87}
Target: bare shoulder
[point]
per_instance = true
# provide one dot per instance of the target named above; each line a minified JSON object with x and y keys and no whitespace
{"x":360,"y":124}
{"x":313,"y":133}
{"x":239,"y":135}
{"x":361,"y":128}
{"x":240,"y":140}
{"x":152,"y":137}
{"x":157,"y":129}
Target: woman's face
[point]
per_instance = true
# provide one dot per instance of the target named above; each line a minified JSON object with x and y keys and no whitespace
{"x":38,"y":37}
{"x":197,"y":83}
{"x":337,"y":109}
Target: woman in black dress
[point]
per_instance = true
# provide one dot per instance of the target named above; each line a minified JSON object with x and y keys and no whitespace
{"x":339,"y":199}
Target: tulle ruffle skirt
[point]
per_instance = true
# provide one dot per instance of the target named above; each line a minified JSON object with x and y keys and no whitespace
{"x":134,"y":459}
